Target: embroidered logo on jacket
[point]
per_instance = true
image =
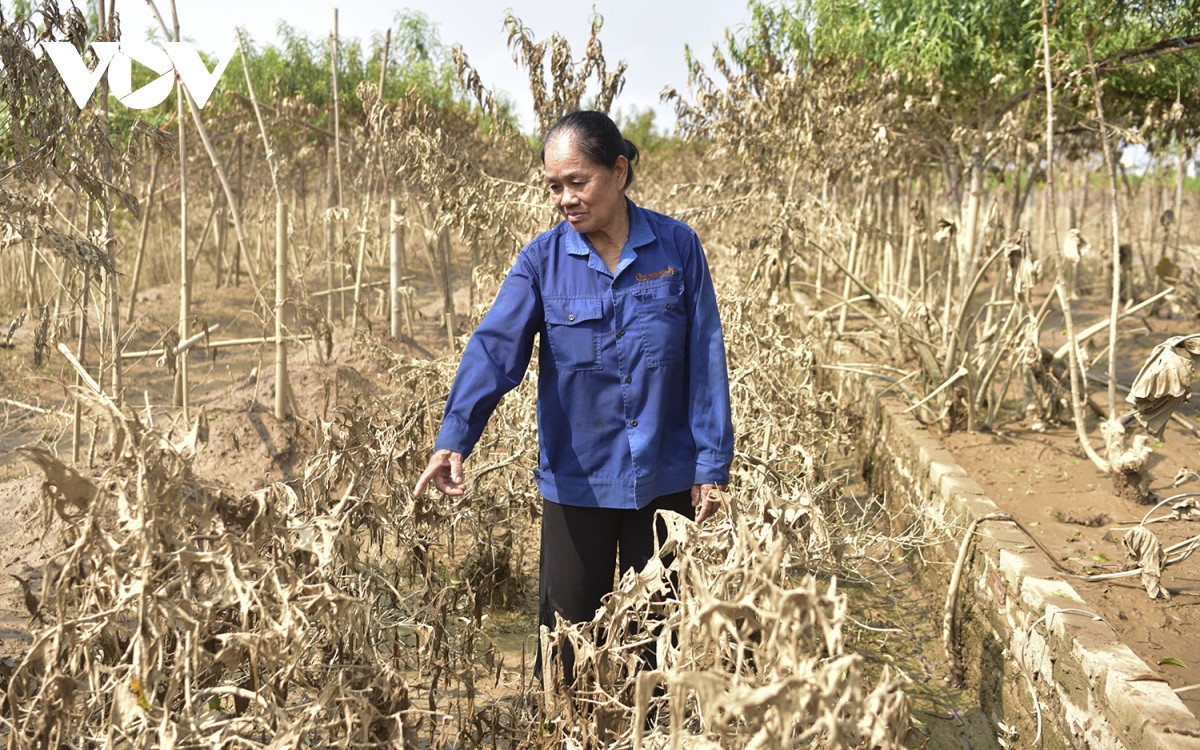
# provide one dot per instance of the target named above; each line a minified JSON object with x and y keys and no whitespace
{"x":668,"y":271}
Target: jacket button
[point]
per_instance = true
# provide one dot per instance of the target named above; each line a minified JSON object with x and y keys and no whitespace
{"x":668,"y":305}
{"x":570,"y":317}
{"x":621,"y":332}
{"x":628,"y":379}
{"x":633,"y":423}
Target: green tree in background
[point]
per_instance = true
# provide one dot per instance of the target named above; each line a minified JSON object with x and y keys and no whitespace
{"x":966,"y":74}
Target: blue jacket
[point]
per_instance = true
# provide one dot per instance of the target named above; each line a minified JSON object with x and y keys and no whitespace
{"x":633,"y":390}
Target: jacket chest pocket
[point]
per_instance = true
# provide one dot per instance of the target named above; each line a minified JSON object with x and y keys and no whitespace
{"x":662,"y":318}
{"x":573,"y":329}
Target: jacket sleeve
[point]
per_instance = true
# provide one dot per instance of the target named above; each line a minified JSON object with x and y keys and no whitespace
{"x":709,"y":411}
{"x":494,"y":361}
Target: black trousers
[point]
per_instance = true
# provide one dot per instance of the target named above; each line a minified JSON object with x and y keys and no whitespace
{"x":580,"y":550}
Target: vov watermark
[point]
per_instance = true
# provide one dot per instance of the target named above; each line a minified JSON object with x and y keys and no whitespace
{"x":117,"y":59}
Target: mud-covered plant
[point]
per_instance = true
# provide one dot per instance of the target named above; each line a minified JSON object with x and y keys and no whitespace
{"x":339,"y":608}
{"x":180,"y":612}
{"x":722,"y":647}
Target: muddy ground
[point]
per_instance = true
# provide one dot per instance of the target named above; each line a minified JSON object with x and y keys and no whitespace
{"x":1039,"y":475}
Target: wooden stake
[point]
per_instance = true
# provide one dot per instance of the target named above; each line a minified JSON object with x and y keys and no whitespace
{"x":195,"y":341}
{"x":81,"y":371}
{"x":397,"y":267}
{"x":281,"y":376}
{"x":447,"y":289}
{"x":330,"y":241}
{"x":358,"y":271}
{"x":222,"y":238}
{"x":145,"y":229}
{"x":181,"y":368}
{"x":262,"y":129}
{"x":337,"y":143}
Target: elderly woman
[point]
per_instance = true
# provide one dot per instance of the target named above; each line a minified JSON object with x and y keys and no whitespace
{"x":633,"y":393}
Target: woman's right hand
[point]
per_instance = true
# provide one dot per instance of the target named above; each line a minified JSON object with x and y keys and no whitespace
{"x":446,"y":471}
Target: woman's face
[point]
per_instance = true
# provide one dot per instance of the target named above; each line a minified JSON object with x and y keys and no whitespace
{"x":590,"y":196}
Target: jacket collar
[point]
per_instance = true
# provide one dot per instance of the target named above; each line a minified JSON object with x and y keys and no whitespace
{"x":640,"y":234}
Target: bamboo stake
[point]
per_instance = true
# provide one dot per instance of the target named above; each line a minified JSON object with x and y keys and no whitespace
{"x":262,"y":129}
{"x":181,"y":368}
{"x":222,"y":240}
{"x":223,"y":344}
{"x":183,"y":346}
{"x":396,"y":265}
{"x":330,"y":206}
{"x":281,"y":376}
{"x":83,"y":377}
{"x":208,"y":224}
{"x":383,"y":65}
{"x":1061,"y":286}
{"x":212,"y":153}
{"x":81,"y":348}
{"x":383,"y":70}
{"x":337,"y":139}
{"x":77,"y":424}
{"x":1099,"y":326}
{"x":1115,"y":306}
{"x":142,"y":234}
{"x":237,"y":246}
{"x":348,"y":288}
{"x":32,"y":408}
{"x":443,"y":244}
{"x":112,"y":298}
{"x":358,"y":272}
{"x":224,"y":180}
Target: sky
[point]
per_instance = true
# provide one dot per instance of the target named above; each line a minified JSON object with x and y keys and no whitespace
{"x":649,"y":35}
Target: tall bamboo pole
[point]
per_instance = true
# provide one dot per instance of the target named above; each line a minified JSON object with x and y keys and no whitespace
{"x":234,"y":205}
{"x":383,"y":70}
{"x":1062,"y":286}
{"x":142,"y":234}
{"x":262,"y":128}
{"x":337,"y":142}
{"x":1114,"y":215}
{"x":222,"y":237}
{"x":397,"y":266}
{"x":237,"y":246}
{"x":447,"y":290}
{"x":185,"y":287}
{"x":330,"y":239}
{"x":80,"y":351}
{"x":113,"y":297}
{"x":281,"y":284}
{"x":358,"y":269}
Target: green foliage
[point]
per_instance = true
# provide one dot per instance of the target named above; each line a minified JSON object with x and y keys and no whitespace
{"x":296,"y":69}
{"x":978,"y":62}
{"x":638,"y":126}
{"x":299,"y":67}
{"x":977,"y":49}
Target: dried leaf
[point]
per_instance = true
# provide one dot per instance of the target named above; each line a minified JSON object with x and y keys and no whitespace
{"x":1164,"y":382}
{"x":1186,"y":510}
{"x":1075,"y":245}
{"x":65,"y":486}
{"x":1143,"y":548}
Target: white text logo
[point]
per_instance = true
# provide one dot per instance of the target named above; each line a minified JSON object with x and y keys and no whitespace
{"x":117,"y":58}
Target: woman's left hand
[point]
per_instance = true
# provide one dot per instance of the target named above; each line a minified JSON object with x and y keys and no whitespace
{"x":706,"y":500}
